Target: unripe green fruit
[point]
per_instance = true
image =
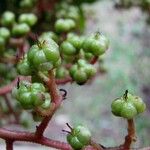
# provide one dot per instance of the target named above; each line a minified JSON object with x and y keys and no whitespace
{"x":67,"y":48}
{"x":74,"y":142}
{"x":79,"y":137}
{"x":61,"y":72}
{"x":26,"y":100}
{"x":27,"y":3}
{"x":116,"y":106}
{"x":75,"y":40}
{"x":8,"y":18}
{"x":80,"y":76}
{"x":20,"y":29}
{"x":128,"y":111}
{"x":44,"y":56}
{"x":37,"y":87}
{"x":73,"y":69}
{"x":4,"y":33}
{"x":97,"y":45}
{"x":30,"y":19}
{"x":37,"y":98}
{"x":47,"y":102}
{"x":24,"y":67}
{"x":64,"y":25}
{"x":128,"y":106}
{"x":139,"y":104}
{"x":49,"y":35}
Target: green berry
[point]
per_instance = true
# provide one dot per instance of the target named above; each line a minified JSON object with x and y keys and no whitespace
{"x":80,"y":76}
{"x":20,"y":29}
{"x":30,"y":19}
{"x":61,"y":72}
{"x":24,"y":67}
{"x":4,"y":33}
{"x":128,"y":111}
{"x":8,"y":18}
{"x":116,"y":106}
{"x":64,"y":25}
{"x":67,"y":48}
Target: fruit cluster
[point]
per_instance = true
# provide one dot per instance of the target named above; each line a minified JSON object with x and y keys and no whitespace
{"x":43,"y":56}
{"x":79,"y":137}
{"x":31,"y":96}
{"x":128,"y":106}
{"x":25,"y":21}
{"x":82,"y":71}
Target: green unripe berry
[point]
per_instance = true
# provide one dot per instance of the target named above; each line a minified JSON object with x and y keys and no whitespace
{"x":26,"y":100}
{"x":8,"y":18}
{"x":80,"y":76}
{"x":64,"y":25}
{"x":24,"y":67}
{"x":61,"y":72}
{"x":30,"y":19}
{"x":67,"y":48}
{"x":20,"y":29}
{"x":74,"y":142}
{"x":116,"y":106}
{"x":128,"y":106}
{"x":79,"y":137}
{"x":128,"y":111}
{"x":47,"y":102}
{"x":49,"y":35}
{"x":37,"y":87}
{"x":4,"y":33}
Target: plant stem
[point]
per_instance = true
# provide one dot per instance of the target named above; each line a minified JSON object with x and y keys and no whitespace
{"x":131,"y":135}
{"x":30,"y":137}
{"x":56,"y":99}
{"x":9,"y":145}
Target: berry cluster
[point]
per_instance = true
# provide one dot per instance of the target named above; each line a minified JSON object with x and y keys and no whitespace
{"x":128,"y":106}
{"x":79,"y":137}
{"x":82,"y":71}
{"x":31,"y":96}
{"x":43,"y":56}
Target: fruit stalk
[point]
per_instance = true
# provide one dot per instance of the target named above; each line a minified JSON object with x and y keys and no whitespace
{"x":131,"y":135}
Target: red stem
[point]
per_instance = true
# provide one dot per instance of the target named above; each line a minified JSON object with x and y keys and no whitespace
{"x":9,"y":145}
{"x":94,"y":60}
{"x":131,"y":135}
{"x":63,"y":81}
{"x":56,"y":99}
{"x":31,"y":137}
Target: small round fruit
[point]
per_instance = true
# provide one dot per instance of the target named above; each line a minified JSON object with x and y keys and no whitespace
{"x":80,"y":76}
{"x":128,"y":111}
{"x":83,"y":134}
{"x":8,"y":18}
{"x":20,"y":29}
{"x":29,"y":18}
{"x":4,"y":33}
{"x":75,"y":144}
{"x":67,"y":48}
{"x":139,"y":104}
{"x":116,"y":106}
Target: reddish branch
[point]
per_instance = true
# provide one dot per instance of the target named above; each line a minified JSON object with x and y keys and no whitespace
{"x":94,"y":60}
{"x":9,"y":145}
{"x":131,"y":135}
{"x":31,"y":137}
{"x":56,"y":99}
{"x":64,"y":81}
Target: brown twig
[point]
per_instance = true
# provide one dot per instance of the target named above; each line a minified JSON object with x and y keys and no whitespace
{"x":9,"y":145}
{"x":131,"y":135}
{"x":56,"y":99}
